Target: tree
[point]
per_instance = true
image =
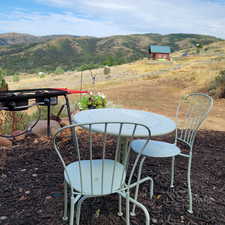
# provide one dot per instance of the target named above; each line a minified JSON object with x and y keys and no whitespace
{"x":16,"y":78}
{"x":3,"y":83}
{"x":59,"y":70}
{"x":106,"y":70}
{"x":199,"y":46}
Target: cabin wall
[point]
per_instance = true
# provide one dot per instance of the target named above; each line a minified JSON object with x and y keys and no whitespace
{"x":160,"y":56}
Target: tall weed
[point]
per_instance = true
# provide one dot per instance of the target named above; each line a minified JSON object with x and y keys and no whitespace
{"x":217,"y":86}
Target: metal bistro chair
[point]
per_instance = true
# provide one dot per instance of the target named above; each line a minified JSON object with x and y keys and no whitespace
{"x":191,"y":112}
{"x":95,"y":168}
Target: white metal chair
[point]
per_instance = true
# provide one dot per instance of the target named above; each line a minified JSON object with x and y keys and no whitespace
{"x":191,"y":112}
{"x":96,"y":168}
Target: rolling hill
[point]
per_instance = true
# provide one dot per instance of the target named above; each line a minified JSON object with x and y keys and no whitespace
{"x":27,"y":53}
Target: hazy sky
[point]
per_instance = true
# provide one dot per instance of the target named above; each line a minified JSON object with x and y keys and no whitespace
{"x":111,"y":17}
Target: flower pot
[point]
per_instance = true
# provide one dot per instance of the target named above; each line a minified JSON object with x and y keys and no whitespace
{"x":91,"y":107}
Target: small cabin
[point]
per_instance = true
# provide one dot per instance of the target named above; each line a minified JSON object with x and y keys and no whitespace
{"x":159,"y":52}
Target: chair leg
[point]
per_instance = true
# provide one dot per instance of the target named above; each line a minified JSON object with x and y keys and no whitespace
{"x":72,"y":204}
{"x":151,"y":187}
{"x":138,"y":204}
{"x":137,"y":187}
{"x":79,"y":204}
{"x":65,"y":214}
{"x":128,"y":208}
{"x":189,"y":185}
{"x":172,"y":172}
{"x":120,"y":213}
{"x":147,"y":217}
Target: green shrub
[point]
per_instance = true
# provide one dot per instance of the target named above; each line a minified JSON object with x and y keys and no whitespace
{"x":16,"y":78}
{"x":88,"y":67}
{"x":3,"y":83}
{"x":217,"y":86}
{"x":91,"y":101}
{"x":59,"y":70}
{"x":42,"y":75}
{"x":25,"y":117}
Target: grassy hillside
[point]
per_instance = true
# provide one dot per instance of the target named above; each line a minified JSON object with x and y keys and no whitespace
{"x":18,"y":38}
{"x":194,"y":71}
{"x":146,"y":84}
{"x":70,"y":52}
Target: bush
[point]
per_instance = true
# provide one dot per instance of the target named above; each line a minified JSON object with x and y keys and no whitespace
{"x":217,"y":86}
{"x":88,"y":67}
{"x":16,"y":78}
{"x":59,"y":70}
{"x":3,"y":84}
{"x":91,"y":101}
{"x":42,"y":75}
{"x":106,"y":70}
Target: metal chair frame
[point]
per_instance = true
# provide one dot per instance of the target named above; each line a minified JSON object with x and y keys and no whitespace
{"x":198,"y":106}
{"x":86,"y":172}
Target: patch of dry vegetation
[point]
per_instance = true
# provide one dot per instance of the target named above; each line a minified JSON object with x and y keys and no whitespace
{"x":145,"y":84}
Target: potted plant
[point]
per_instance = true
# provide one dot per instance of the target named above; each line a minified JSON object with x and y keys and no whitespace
{"x":92,"y":101}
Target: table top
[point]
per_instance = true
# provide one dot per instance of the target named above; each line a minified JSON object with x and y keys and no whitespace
{"x":158,"y":124}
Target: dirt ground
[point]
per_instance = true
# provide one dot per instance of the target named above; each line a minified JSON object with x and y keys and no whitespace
{"x":31,"y":180}
{"x":31,"y":190}
{"x":161,"y":97}
{"x":144,"y":84}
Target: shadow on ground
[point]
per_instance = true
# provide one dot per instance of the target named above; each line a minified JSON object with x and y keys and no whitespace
{"x":32,"y":187}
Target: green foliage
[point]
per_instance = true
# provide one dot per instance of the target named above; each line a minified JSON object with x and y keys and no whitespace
{"x":88,"y":52}
{"x":26,"y":117}
{"x":42,"y":75}
{"x":113,"y":60}
{"x":22,"y":120}
{"x":16,"y":78}
{"x":2,"y":73}
{"x":91,"y":101}
{"x":88,"y":67}
{"x":3,"y":84}
{"x":217,"y":86}
{"x":59,"y":70}
{"x":199,"y":46}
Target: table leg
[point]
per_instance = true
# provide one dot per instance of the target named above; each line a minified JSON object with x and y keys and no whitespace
{"x":48,"y":120}
{"x":68,"y":108}
{"x":123,"y":150}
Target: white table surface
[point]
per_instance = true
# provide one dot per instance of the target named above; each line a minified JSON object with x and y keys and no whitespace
{"x":158,"y":124}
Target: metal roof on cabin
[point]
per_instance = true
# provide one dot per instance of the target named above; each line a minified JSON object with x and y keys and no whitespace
{"x":159,"y":49}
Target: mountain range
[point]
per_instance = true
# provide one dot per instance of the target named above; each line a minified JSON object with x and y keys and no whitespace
{"x":28,"y":53}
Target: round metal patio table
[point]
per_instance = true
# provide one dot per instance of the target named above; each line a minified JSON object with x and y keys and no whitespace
{"x":158,"y":124}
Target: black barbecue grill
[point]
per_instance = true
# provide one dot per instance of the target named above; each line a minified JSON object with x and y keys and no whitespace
{"x":17,"y":100}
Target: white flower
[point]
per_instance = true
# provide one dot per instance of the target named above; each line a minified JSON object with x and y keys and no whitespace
{"x":101,"y":94}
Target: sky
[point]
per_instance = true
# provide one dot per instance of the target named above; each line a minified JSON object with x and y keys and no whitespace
{"x":101,"y":18}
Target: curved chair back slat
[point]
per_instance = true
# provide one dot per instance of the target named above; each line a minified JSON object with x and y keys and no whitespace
{"x":99,"y":163}
{"x":191,"y":112}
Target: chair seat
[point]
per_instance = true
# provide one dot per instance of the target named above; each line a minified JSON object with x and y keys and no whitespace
{"x":73,"y":177}
{"x":155,"y":148}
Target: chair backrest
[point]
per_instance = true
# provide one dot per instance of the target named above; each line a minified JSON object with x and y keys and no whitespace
{"x":91,"y":150}
{"x":191,"y":112}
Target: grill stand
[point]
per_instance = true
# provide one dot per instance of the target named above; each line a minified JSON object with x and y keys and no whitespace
{"x":46,"y":101}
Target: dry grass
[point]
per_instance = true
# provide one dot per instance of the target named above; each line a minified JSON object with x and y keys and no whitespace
{"x":147,"y":85}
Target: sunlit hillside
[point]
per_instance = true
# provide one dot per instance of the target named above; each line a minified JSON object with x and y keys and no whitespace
{"x":195,"y":70}
{"x":30,"y":54}
{"x":147,"y":84}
